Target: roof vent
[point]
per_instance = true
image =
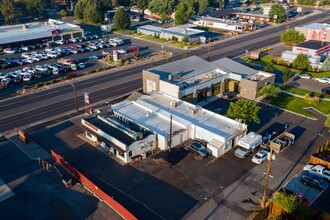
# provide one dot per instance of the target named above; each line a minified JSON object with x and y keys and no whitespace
{"x":173,"y":104}
{"x":25,"y":26}
{"x":148,"y":114}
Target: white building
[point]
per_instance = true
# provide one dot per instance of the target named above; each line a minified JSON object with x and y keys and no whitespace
{"x":223,"y":24}
{"x":316,"y":51}
{"x":153,"y":112}
{"x":53,"y":29}
{"x":119,"y":137}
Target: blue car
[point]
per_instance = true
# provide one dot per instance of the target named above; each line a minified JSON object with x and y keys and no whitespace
{"x":93,"y":57}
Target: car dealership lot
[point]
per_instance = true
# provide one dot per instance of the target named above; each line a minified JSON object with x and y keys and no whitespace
{"x":146,"y":50}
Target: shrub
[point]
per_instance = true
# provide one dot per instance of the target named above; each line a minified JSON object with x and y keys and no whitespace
{"x":168,"y":60}
{"x":63,"y":13}
{"x":46,"y":83}
{"x":185,"y":55}
{"x":288,"y":202}
{"x":36,"y":85}
{"x":52,"y":81}
{"x":185,"y":39}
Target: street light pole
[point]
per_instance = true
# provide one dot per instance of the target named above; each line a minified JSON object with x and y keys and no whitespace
{"x":74,"y":94}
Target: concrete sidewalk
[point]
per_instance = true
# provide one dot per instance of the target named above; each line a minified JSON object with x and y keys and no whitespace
{"x":31,"y":149}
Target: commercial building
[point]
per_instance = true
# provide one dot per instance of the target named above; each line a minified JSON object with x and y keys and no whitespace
{"x":151,"y":115}
{"x":223,"y":24}
{"x":194,"y":79}
{"x":177,"y":32}
{"x":221,"y":14}
{"x":316,"y":51}
{"x":38,"y":31}
{"x":315,"y":31}
{"x":252,"y":17}
{"x":119,"y":137}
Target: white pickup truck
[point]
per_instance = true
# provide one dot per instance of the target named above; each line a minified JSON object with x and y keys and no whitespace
{"x":318,"y":170}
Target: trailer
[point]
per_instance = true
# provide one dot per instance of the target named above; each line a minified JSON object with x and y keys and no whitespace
{"x":282,"y":141}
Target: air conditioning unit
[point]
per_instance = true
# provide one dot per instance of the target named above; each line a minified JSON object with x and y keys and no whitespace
{"x":173,"y":104}
{"x":192,"y":111}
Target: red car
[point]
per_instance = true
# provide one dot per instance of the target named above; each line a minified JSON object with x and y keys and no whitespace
{"x":133,"y":48}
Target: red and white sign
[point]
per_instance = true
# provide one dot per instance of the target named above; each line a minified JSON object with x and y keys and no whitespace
{"x":115,"y":55}
{"x":56,"y":32}
{"x":320,"y":35}
{"x":302,"y":50}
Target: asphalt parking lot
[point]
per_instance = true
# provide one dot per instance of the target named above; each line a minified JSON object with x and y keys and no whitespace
{"x":187,"y":184}
{"x":146,"y":50}
{"x":38,"y":194}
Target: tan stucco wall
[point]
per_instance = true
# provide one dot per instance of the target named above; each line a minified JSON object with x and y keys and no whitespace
{"x":146,"y":75}
{"x":249,"y":88}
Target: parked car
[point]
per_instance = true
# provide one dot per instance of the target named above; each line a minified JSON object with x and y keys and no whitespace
{"x":93,"y":57}
{"x":326,"y":90}
{"x":323,"y":80}
{"x":228,"y":95}
{"x":9,"y":51}
{"x":305,"y":76}
{"x":198,"y":148}
{"x":121,"y":51}
{"x":260,"y":157}
{"x":133,"y":48}
{"x":313,"y":180}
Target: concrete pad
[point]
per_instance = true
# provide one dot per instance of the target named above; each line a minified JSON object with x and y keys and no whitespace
{"x":5,"y":191}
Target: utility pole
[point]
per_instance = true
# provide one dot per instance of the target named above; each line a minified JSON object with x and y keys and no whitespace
{"x":170,"y":144}
{"x":264,"y":198}
{"x":208,"y":50}
{"x":74,"y":93}
{"x":287,"y":19}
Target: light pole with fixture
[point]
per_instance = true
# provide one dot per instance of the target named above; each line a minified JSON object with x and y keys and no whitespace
{"x":74,"y":93}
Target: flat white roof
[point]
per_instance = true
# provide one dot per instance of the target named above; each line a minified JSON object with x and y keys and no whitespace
{"x":318,"y":26}
{"x":153,"y":112}
{"x":35,"y":30}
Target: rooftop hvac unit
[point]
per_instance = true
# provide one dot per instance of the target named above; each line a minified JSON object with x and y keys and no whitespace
{"x":170,"y":77}
{"x":177,"y":75}
{"x":192,"y":111}
{"x":173,"y":104}
{"x":25,"y":26}
{"x":209,"y":75}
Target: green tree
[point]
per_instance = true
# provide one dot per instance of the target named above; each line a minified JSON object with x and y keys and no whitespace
{"x":222,"y":4}
{"x":326,"y":65}
{"x":268,"y":67}
{"x":269,"y":91}
{"x":9,"y":11}
{"x":245,"y":111}
{"x":292,"y":37}
{"x":301,"y":62}
{"x":277,"y":10}
{"x":106,"y":5}
{"x":143,"y":4}
{"x":184,"y":11}
{"x":35,"y":8}
{"x":201,"y":6}
{"x":286,"y":75}
{"x":93,"y":12}
{"x":162,"y":6}
{"x":79,"y":9}
{"x":121,"y":19}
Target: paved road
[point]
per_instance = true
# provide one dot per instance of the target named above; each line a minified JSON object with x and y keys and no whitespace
{"x":58,"y":99}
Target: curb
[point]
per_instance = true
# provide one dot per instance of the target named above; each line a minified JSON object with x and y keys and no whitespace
{"x":286,"y":110}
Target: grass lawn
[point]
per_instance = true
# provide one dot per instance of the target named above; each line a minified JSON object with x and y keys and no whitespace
{"x":302,"y":92}
{"x":267,"y":58}
{"x":155,"y":39}
{"x":295,"y":104}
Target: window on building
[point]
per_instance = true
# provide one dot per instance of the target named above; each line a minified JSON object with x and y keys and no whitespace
{"x":121,"y":154}
{"x":130,"y":153}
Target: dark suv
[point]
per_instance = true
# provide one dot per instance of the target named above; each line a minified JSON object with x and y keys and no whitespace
{"x":326,"y":90}
{"x":313,"y":180}
{"x":198,"y":148}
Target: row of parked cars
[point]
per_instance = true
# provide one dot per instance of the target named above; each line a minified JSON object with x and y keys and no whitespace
{"x":49,"y":44}
{"x":28,"y":73}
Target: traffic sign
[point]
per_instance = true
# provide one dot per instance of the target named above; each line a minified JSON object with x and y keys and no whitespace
{"x":87,"y":97}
